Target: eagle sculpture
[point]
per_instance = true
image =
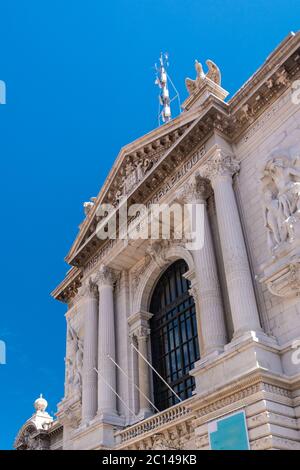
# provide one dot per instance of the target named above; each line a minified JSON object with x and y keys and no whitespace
{"x":213,"y":74}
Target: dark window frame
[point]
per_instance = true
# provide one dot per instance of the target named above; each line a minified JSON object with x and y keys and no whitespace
{"x":174,"y":337}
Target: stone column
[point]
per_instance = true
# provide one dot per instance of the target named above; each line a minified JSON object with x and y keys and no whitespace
{"x":89,"y":376}
{"x":238,"y":277}
{"x":106,"y":344}
{"x":206,"y":289}
{"x":142,"y":336}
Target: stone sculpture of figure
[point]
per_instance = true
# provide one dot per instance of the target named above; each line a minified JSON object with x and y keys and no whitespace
{"x":147,"y":165}
{"x":76,"y":360}
{"x":287,"y":181}
{"x":272,"y":217}
{"x":213,"y":74}
{"x":281,"y":191}
{"x":142,"y":167}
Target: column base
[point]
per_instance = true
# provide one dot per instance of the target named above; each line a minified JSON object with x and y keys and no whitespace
{"x":208,"y":358}
{"x":109,"y":418}
{"x":242,"y":357}
{"x":249,"y":336}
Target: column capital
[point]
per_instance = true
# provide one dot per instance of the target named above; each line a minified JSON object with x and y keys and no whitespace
{"x":193,"y":291}
{"x":139,"y":324}
{"x":105,"y":276}
{"x":141,"y":333}
{"x":221,"y":165}
{"x":88,"y":289}
{"x":196,"y":189}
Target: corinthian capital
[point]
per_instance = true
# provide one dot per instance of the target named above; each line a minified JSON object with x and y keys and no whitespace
{"x":104,"y":277}
{"x":142,"y":332}
{"x":88,"y":289}
{"x":196,"y":189}
{"x":221,"y":165}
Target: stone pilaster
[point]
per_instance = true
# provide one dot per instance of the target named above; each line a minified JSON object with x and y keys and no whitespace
{"x":106,"y":344}
{"x":139,"y":328}
{"x":206,"y":288}
{"x":142,"y":335}
{"x":89,"y":377}
{"x":238,"y":277}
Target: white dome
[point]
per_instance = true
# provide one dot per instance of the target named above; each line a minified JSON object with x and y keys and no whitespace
{"x":40,"y":403}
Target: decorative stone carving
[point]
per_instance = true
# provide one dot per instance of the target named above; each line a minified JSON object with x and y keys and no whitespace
{"x":213,"y":74}
{"x":195,"y":189}
{"x":142,"y":332}
{"x":87,"y":206}
{"x":33,"y":435}
{"x":138,"y":272}
{"x":282,"y":77}
{"x":88,"y":289}
{"x":30,"y":439}
{"x":74,"y":361}
{"x":105,"y":276}
{"x":157,"y":252}
{"x":280,"y":185}
{"x":221,"y":165}
{"x":202,"y":441}
{"x":161,"y":442}
{"x":282,"y":277}
{"x":281,"y":199}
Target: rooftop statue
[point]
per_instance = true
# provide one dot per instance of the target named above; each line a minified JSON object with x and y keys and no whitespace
{"x":213,"y":74}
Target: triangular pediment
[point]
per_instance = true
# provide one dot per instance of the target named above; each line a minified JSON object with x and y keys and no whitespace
{"x":133,"y":163}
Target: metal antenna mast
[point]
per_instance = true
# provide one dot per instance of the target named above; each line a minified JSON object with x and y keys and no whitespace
{"x":164,"y":108}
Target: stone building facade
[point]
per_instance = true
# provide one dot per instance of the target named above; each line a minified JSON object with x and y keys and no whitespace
{"x":239,"y":160}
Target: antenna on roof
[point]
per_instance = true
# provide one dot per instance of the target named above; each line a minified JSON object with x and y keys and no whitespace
{"x":164,"y":100}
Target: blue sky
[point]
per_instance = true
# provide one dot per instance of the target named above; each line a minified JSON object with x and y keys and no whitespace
{"x":80,"y":84}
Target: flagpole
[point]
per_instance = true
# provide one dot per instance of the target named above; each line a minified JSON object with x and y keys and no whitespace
{"x":135,"y":385}
{"x":154,"y":370}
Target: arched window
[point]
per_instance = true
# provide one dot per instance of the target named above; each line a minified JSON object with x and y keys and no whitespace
{"x":174,"y":339}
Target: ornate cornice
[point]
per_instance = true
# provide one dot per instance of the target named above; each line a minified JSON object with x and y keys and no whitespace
{"x":68,"y":288}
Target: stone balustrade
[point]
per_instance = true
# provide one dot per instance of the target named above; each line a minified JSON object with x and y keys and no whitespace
{"x":154,"y":423}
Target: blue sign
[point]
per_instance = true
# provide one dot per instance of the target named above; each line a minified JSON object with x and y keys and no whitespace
{"x":229,"y":433}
